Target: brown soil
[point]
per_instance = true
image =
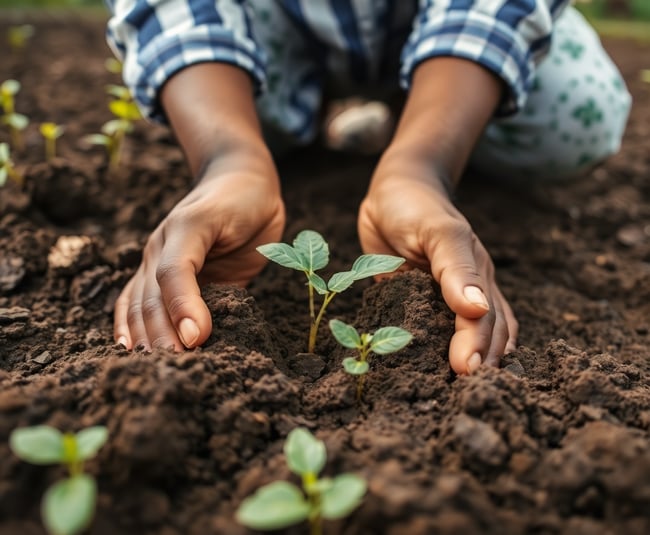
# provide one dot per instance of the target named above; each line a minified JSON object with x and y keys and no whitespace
{"x":555,"y":442}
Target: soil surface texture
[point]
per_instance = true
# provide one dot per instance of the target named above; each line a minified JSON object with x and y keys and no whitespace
{"x":556,"y":441}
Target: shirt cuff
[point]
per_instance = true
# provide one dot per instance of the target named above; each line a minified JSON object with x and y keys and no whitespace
{"x":168,"y":53}
{"x":480,"y":38}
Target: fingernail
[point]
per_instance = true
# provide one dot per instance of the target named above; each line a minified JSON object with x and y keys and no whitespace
{"x":475,"y":296}
{"x":188,"y":331}
{"x":473,"y":363}
{"x":122,"y":341}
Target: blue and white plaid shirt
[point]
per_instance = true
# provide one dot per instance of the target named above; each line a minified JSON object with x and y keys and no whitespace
{"x":156,"y":38}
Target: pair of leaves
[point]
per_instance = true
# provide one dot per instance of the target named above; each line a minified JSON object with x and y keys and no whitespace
{"x":384,"y":341}
{"x":281,"y":504}
{"x":17,"y":121}
{"x":310,"y":252}
{"x":43,"y":444}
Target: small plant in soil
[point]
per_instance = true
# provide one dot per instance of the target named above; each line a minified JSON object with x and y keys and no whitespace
{"x":384,"y":341}
{"x":68,"y":506}
{"x":51,"y":132}
{"x":115,"y":131}
{"x":113,"y":65}
{"x":15,"y":121}
{"x":281,"y":504}
{"x":19,"y":36}
{"x":310,"y":252}
{"x":7,"y":169}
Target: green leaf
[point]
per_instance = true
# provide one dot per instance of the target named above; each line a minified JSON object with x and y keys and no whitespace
{"x":645,"y":76}
{"x":343,"y":497}
{"x":354,"y":366}
{"x":69,"y":505}
{"x":317,"y":282}
{"x":275,"y":506}
{"x":341,"y":281}
{"x":98,"y":139}
{"x":345,"y":334}
{"x":90,"y":440}
{"x":283,"y":254}
{"x":369,"y":265}
{"x":125,"y":110}
{"x":110,"y":128}
{"x":40,"y":444}
{"x":16,"y":120}
{"x":3,"y":176}
{"x":4,"y":152}
{"x":119,"y":91}
{"x":113,"y":65}
{"x":313,"y":247}
{"x":389,"y":339}
{"x":10,"y":87}
{"x":305,"y":453}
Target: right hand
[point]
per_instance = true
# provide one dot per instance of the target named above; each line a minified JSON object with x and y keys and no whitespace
{"x":209,"y":236}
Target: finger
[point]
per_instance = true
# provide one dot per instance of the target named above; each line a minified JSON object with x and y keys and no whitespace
{"x":160,"y":331}
{"x":121,"y":333}
{"x":134,"y":315}
{"x":500,"y":336}
{"x":462,"y":267}
{"x":513,"y":325}
{"x":470,"y":342}
{"x":180,"y":261}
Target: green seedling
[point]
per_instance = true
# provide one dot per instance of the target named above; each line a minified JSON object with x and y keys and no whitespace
{"x":51,"y":132}
{"x":7,"y":169}
{"x":281,"y":504}
{"x":114,"y":131}
{"x":384,"y":341}
{"x":16,"y":121}
{"x":645,"y":76}
{"x":18,"y":36}
{"x":310,"y":253}
{"x":68,"y":506}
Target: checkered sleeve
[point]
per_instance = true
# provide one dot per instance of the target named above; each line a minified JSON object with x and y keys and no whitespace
{"x":508,"y":37}
{"x":157,"y":38}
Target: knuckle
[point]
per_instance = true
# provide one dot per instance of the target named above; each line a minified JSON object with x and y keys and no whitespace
{"x":165,"y":272}
{"x":150,"y":307}
{"x":134,"y":313}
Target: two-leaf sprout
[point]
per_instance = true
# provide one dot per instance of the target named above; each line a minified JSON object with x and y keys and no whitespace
{"x":7,"y":169}
{"x":15,"y":121}
{"x":51,"y":132}
{"x":114,"y":131}
{"x":384,"y":341}
{"x":68,"y":506}
{"x":281,"y":504}
{"x":310,"y":253}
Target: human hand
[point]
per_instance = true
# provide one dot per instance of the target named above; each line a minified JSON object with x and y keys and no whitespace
{"x":411,"y":215}
{"x":209,"y":236}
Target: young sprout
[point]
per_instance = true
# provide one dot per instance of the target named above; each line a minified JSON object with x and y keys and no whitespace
{"x":15,"y":121}
{"x":7,"y":169}
{"x":310,"y":253}
{"x":68,"y":506}
{"x":281,"y":504}
{"x":17,"y":36}
{"x":384,"y":341}
{"x":645,"y":76}
{"x":115,"y":130}
{"x":51,"y":132}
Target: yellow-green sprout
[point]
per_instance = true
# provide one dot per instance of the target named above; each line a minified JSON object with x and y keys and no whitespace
{"x":18,"y":36}
{"x":51,"y":132}
{"x":15,"y":121}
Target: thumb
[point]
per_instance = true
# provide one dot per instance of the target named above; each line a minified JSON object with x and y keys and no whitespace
{"x":180,"y":262}
{"x":454,"y":265}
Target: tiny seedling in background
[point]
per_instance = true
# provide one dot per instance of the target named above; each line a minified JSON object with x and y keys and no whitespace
{"x":384,"y":341}
{"x":113,"y":65}
{"x":310,"y":253}
{"x":18,"y":36}
{"x":68,"y":506}
{"x":51,"y":132}
{"x":281,"y":504}
{"x":7,"y":169}
{"x":645,"y":76}
{"x":16,"y":121}
{"x":114,"y":131}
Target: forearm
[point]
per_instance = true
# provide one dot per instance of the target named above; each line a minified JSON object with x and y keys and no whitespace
{"x":212,"y":111}
{"x":450,"y":102}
